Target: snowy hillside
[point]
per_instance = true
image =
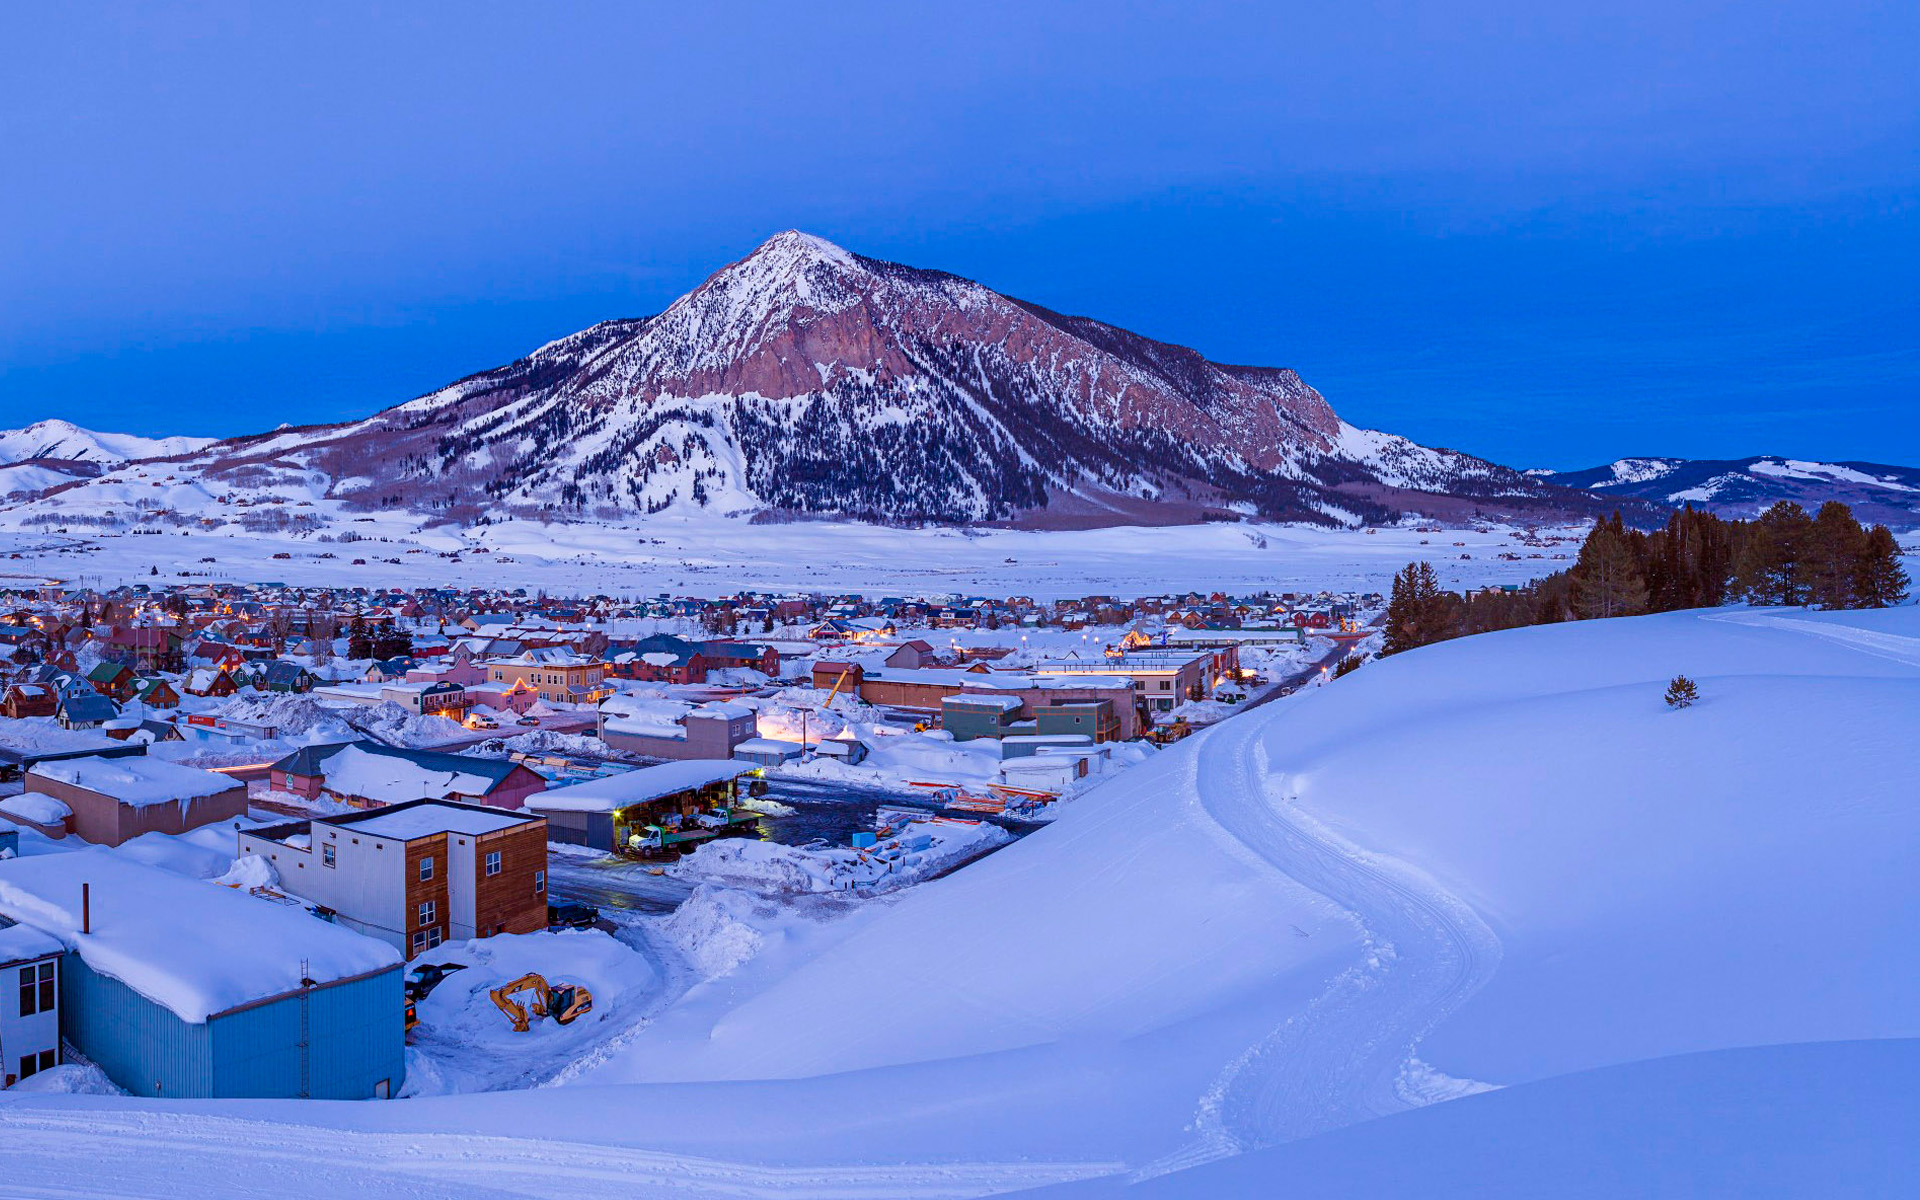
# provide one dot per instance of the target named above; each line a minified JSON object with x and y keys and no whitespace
{"x":57,"y":439}
{"x":807,"y":380}
{"x":1494,"y":861}
{"x":1744,"y":487}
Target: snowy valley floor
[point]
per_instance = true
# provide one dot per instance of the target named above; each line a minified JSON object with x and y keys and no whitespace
{"x":712,"y":555}
{"x":1263,"y":956}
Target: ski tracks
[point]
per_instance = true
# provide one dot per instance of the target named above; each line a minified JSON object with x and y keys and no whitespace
{"x":1350,"y":1054}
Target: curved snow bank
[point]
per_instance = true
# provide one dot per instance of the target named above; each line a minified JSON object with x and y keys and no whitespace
{"x":1833,"y":1119}
{"x":1661,"y":881}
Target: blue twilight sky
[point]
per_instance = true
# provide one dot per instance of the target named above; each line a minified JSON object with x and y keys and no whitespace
{"x":1549,"y":233}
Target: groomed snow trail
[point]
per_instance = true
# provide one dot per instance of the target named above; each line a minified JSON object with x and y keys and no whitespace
{"x":165,"y":1156}
{"x":1351,"y":1054}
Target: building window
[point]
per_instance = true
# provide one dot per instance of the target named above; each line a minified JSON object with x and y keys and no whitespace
{"x":428,"y":911}
{"x":493,"y":862}
{"x":426,"y":869}
{"x":433,"y":937}
{"x":419,"y":941}
{"x":539,"y":882}
{"x":33,"y":1064}
{"x":326,"y":854}
{"x":36,"y":989}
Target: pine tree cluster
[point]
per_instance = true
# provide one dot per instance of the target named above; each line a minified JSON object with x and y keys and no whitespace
{"x":1699,"y":560}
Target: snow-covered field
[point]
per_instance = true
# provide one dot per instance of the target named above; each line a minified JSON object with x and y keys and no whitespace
{"x":1496,"y":861}
{"x":712,"y":556}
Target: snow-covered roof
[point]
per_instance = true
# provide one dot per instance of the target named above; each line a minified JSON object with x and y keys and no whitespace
{"x":24,"y":943}
{"x":30,"y":736}
{"x":37,"y":807}
{"x":136,"y":782}
{"x":424,"y":820}
{"x":1003,"y":703}
{"x":760,"y":745}
{"x":636,"y":787}
{"x":393,"y":779}
{"x":196,"y":948}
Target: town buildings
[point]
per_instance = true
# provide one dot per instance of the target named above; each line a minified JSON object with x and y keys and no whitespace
{"x":112,"y":800}
{"x":182,"y":989}
{"x":416,"y":874}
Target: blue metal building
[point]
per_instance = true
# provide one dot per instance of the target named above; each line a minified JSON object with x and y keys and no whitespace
{"x":344,"y":1040}
{"x":178,"y":987}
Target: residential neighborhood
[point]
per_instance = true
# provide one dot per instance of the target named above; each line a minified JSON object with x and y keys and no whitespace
{"x":384,"y":782}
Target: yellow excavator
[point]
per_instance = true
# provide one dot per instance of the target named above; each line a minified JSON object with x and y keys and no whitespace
{"x":561,"y":1001}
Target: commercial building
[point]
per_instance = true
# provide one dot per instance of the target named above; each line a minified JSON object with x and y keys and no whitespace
{"x":112,"y":800}
{"x":710,"y":731}
{"x":556,"y":675}
{"x":180,"y":988}
{"x":418,"y":874}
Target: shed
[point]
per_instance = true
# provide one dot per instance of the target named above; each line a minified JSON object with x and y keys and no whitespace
{"x":768,"y":752}
{"x":180,"y":988}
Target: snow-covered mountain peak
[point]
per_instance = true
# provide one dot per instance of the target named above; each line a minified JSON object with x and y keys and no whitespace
{"x":58,"y":439}
{"x":807,"y":379}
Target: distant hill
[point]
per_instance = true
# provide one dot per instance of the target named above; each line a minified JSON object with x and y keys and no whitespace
{"x":1743,"y":487}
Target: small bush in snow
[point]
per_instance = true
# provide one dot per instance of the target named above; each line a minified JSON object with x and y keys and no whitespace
{"x":1681,"y":692}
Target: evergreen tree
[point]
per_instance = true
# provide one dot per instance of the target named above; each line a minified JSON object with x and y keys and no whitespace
{"x":1681,"y":692}
{"x":1835,"y":548}
{"x":1775,"y":572}
{"x":1418,"y":612}
{"x":1879,"y":579}
{"x":1606,"y":578}
{"x":1402,"y":633}
{"x":359,"y":644}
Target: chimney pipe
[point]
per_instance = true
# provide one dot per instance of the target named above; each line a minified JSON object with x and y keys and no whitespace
{"x":86,"y":908}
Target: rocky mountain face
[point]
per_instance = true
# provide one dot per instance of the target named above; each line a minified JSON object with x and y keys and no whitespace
{"x":805,"y":380}
{"x":1745,"y":487}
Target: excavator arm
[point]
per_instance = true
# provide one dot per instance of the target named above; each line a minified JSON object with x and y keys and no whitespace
{"x":562,"y":1001}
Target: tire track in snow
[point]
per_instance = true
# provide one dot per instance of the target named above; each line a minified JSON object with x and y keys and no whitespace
{"x":1351,"y":1053}
{"x":161,"y":1156}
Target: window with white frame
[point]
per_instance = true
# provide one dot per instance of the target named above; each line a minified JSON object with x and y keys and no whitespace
{"x":426,"y":869}
{"x":36,"y":989}
{"x":493,"y":862}
{"x":327,"y":854}
{"x":429,"y":912}
{"x":539,"y":882}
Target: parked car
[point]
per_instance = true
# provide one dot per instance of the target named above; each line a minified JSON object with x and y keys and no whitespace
{"x":572,"y":916}
{"x":528,"y":721}
{"x":479,"y":722}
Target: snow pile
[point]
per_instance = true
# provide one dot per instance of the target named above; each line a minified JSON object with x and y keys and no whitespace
{"x":467,"y":1044}
{"x":915,"y":852}
{"x":715,"y":928}
{"x":68,"y":1079}
{"x":543,"y":741}
{"x":248,"y":872}
{"x":309,"y":719}
{"x":203,"y":853}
